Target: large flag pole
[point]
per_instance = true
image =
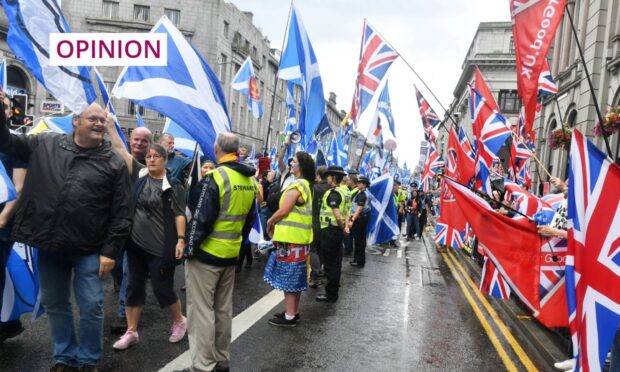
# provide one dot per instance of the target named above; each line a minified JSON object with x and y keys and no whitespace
{"x":449,"y":113}
{"x":585,"y":69}
{"x":275,"y":78}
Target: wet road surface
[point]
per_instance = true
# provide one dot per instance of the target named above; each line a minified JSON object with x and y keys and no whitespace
{"x":404,"y":311}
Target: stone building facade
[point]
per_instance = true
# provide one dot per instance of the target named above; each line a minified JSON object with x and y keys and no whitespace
{"x":598,"y":30}
{"x":224,"y":35}
{"x":492,"y":50}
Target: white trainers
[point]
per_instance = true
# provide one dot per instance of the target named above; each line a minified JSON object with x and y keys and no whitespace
{"x":566,"y":365}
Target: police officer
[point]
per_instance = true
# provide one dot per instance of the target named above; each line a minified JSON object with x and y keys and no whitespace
{"x":358,"y":220}
{"x":333,"y":230}
{"x":223,"y":217}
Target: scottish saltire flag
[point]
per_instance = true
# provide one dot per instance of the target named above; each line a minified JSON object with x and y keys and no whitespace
{"x":341,"y":150}
{"x":246,"y":83}
{"x":30,"y":24}
{"x":429,"y":118}
{"x":108,"y":104}
{"x":3,"y":75}
{"x":183,"y":141}
{"x":383,"y":224}
{"x":186,"y":90}
{"x":376,"y":57}
{"x":375,"y":131}
{"x":21,"y":288}
{"x":256,"y":234}
{"x":492,"y":283}
{"x":299,"y":65}
{"x":320,"y":158}
{"x":7,"y":189}
{"x":312,"y":147}
{"x":593,"y":259}
{"x":385,"y":107}
{"x":139,"y":120}
{"x":62,"y":124}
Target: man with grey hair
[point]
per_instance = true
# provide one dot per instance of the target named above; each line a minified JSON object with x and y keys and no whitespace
{"x":178,"y":165}
{"x":223,"y":217}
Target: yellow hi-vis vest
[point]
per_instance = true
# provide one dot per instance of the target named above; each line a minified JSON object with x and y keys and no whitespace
{"x":237,"y":194}
{"x":347,"y":198}
{"x":327,"y":213}
{"x":296,"y":227}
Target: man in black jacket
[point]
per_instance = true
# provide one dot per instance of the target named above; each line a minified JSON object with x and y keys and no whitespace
{"x":75,"y":208}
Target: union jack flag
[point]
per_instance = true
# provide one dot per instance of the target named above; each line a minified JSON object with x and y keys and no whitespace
{"x":376,"y":57}
{"x":446,"y":235}
{"x":429,"y":117}
{"x":492,"y":282}
{"x":546,"y":84}
{"x":554,"y":200}
{"x":431,"y":167}
{"x":466,"y":145}
{"x":593,"y":258}
{"x":552,"y":264}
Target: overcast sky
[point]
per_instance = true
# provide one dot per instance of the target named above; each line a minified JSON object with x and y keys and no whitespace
{"x":433,"y":36}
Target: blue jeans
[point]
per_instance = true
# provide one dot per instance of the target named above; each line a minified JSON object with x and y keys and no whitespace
{"x":55,"y":271}
{"x":413,"y":225}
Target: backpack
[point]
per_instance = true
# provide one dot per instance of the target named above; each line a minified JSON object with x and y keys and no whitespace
{"x":273,"y":198}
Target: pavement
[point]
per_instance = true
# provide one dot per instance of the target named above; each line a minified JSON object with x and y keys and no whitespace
{"x":409,"y":308}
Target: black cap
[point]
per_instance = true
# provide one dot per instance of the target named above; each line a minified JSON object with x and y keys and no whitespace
{"x":335,"y":170}
{"x":396,"y":181}
{"x":363,"y":179}
{"x":413,"y":184}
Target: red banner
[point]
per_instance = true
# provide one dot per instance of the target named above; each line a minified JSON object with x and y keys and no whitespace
{"x":534,"y":23}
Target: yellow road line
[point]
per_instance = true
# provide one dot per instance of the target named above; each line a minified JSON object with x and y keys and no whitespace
{"x":527,"y":362}
{"x":510,"y":366}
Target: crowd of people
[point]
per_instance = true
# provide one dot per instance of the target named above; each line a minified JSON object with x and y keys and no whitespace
{"x":93,"y":204}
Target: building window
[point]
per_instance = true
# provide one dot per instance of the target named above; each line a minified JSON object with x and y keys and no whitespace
{"x":509,"y":102}
{"x":110,"y":9}
{"x":223,"y":65}
{"x":132,"y":108}
{"x":226,"y":29}
{"x":141,"y":13}
{"x":264,"y":61}
{"x":511,"y":47}
{"x":173,"y":15}
{"x":161,"y":116}
{"x":254,"y":53}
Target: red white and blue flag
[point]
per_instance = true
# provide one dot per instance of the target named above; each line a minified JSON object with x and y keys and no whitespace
{"x":429,"y":118}
{"x":546,"y":84}
{"x":593,"y":259}
{"x":449,"y":236}
{"x":492,"y":283}
{"x":460,"y":163}
{"x":433,"y":164}
{"x":376,"y":57}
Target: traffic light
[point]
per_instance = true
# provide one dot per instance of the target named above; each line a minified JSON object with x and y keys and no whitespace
{"x":19,"y":103}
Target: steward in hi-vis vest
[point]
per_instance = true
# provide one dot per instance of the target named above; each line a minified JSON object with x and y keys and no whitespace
{"x":358,"y":220}
{"x":333,"y":230}
{"x":223,"y":217}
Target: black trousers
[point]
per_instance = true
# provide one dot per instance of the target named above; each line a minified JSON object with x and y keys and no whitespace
{"x":358,"y":232}
{"x":245,"y":253}
{"x":331,"y":246}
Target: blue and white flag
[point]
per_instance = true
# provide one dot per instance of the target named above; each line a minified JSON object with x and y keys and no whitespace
{"x":62,"y":124}
{"x":3,"y":75}
{"x":290,"y":95}
{"x":186,"y":90}
{"x":383,"y":224}
{"x":139,"y":120}
{"x":21,"y":288}
{"x":246,"y":83}
{"x":30,"y":24}
{"x":384,"y":107}
{"x":320,"y":159}
{"x":183,"y":141}
{"x":256,"y":234}
{"x":299,"y":65}
{"x":312,"y":147}
{"x":7,"y":189}
{"x":107,"y":103}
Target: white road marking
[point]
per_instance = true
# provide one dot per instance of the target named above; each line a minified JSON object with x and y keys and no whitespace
{"x":399,"y":253}
{"x":387,"y":252}
{"x":241,"y":323}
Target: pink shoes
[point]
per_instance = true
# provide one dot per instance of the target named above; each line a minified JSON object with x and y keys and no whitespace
{"x":178,"y":330}
{"x":130,"y":338}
